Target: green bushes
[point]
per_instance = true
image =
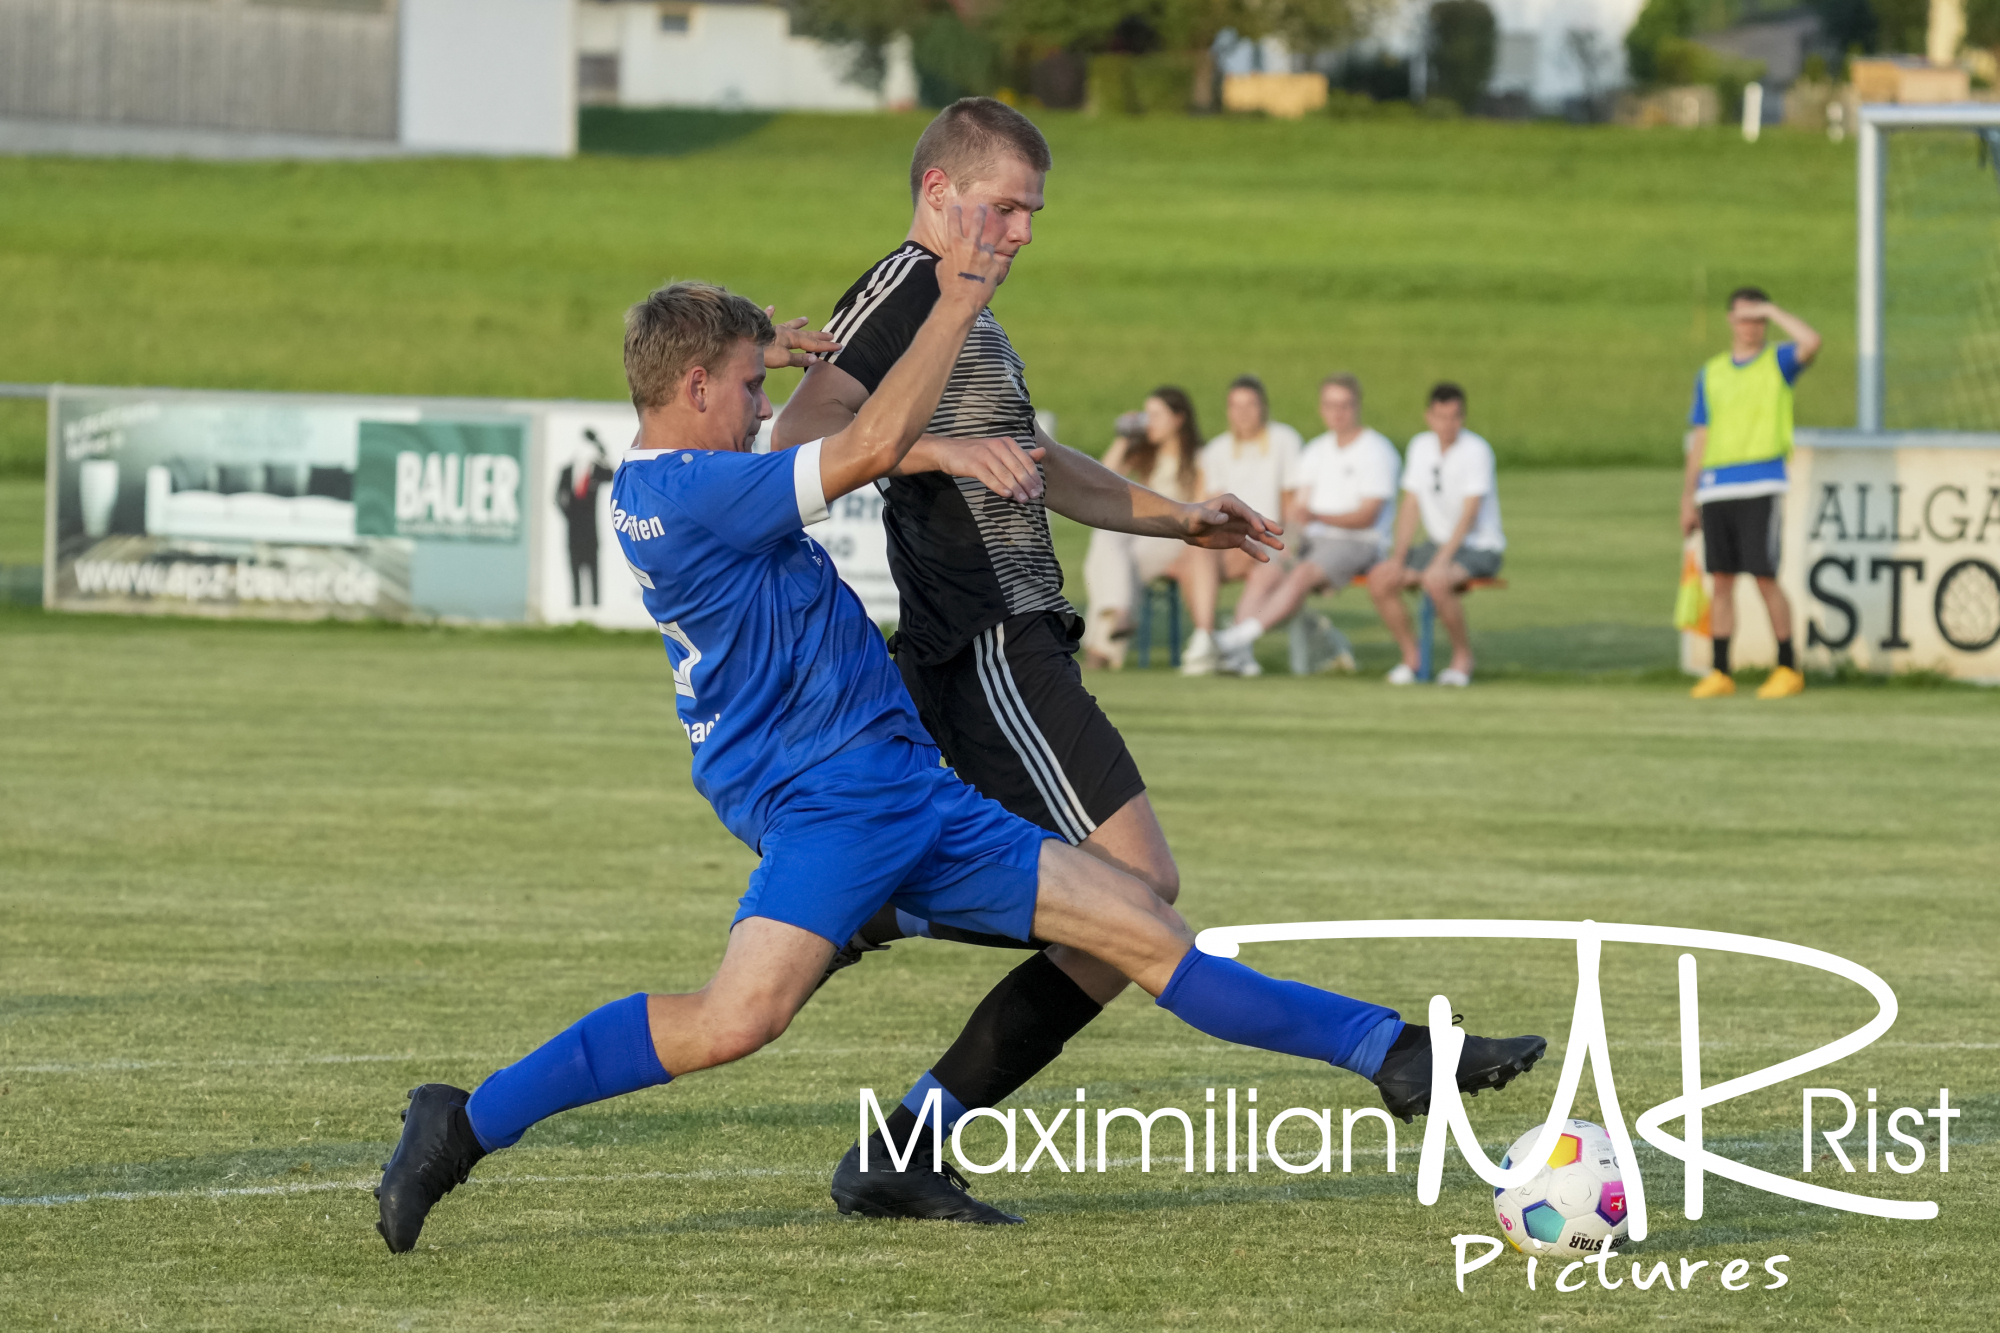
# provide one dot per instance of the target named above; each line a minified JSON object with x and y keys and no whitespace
{"x":1130,"y":85}
{"x":1463,"y":40}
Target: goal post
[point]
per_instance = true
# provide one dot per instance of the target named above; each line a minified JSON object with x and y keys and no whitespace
{"x":1877,"y":124}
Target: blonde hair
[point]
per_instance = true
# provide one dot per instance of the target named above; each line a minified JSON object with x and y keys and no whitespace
{"x":681,"y":326}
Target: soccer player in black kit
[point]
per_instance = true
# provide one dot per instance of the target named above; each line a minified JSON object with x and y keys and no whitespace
{"x":986,"y":642}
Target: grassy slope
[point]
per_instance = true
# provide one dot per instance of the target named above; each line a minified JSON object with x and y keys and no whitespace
{"x":1555,"y":270}
{"x":262,"y":879}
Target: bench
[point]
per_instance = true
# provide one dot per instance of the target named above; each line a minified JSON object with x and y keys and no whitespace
{"x":1427,"y":619}
{"x":1427,"y":625}
{"x":1142,"y":628}
{"x":1169,"y":591}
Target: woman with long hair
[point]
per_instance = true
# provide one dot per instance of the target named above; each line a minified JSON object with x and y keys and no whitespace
{"x":1156,"y":448}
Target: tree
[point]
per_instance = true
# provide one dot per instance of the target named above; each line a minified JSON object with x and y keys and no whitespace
{"x":1190,"y":26}
{"x":1463,"y":41}
{"x":864,"y":27}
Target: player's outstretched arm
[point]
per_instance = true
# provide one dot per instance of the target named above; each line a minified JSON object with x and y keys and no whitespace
{"x":894,"y":416}
{"x":1082,"y":488}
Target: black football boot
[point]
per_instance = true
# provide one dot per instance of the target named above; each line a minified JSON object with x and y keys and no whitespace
{"x":920,"y":1192}
{"x":437,"y":1152}
{"x":1484,"y":1062}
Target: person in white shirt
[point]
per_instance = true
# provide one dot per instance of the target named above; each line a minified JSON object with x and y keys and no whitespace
{"x":1449,"y":474}
{"x":1344,"y":506}
{"x":1257,"y":460}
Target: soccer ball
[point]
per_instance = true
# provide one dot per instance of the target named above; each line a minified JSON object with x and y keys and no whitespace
{"x":1571,"y":1206}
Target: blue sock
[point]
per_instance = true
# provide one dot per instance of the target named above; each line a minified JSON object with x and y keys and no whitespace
{"x":913,"y":1101}
{"x":913,"y":927}
{"x":1235,"y":1003}
{"x":605,"y":1053}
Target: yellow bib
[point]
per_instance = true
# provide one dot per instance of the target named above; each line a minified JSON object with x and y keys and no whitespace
{"x":1749,"y":410}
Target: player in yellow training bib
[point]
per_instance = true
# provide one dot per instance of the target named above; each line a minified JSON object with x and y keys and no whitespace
{"x":1735,"y":485}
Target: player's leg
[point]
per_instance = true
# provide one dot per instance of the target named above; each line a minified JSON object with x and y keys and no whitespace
{"x":1784,"y":680}
{"x":843,"y":836}
{"x":1767,"y":513}
{"x":767,"y":974}
{"x":1092,"y":907}
{"x":1014,"y":719}
{"x":1131,"y":841}
{"x":1722,"y":545}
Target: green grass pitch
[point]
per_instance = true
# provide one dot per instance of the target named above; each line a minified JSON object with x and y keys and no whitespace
{"x":261,"y":880}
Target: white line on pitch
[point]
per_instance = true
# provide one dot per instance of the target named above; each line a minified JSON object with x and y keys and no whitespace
{"x":329,"y":1186}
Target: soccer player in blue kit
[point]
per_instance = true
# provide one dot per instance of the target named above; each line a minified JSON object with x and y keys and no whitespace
{"x":808,"y":747}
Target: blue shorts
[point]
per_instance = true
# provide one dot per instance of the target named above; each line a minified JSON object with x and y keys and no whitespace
{"x":885,"y":823}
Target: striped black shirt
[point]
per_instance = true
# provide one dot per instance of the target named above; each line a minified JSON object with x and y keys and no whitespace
{"x":963,"y":558}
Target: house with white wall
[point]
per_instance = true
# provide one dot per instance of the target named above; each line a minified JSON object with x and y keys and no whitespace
{"x":720,"y":55}
{"x":1549,"y":51}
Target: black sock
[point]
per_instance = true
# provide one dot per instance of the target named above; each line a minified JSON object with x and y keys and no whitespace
{"x":1016,"y":1031}
{"x":1721,"y":642}
{"x":1785,"y":654}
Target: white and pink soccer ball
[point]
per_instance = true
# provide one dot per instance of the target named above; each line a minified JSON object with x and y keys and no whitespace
{"x":1573,"y":1205}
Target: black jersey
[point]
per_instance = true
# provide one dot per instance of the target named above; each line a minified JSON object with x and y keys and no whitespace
{"x":964,"y":559}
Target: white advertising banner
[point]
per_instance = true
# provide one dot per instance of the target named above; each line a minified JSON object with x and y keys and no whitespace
{"x":580,"y":573}
{"x":1892,"y":552}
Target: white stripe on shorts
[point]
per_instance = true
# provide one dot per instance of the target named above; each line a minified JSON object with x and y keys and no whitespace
{"x":1037,"y":756}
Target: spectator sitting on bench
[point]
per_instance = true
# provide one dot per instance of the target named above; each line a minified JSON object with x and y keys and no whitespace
{"x":1157,"y":449}
{"x":1257,"y":461}
{"x":1344,"y":508}
{"x":1449,"y":475}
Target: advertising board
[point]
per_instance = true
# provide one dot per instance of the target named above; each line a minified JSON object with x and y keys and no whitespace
{"x":1892,"y":554}
{"x":284,"y":506}
{"x":298,"y":507}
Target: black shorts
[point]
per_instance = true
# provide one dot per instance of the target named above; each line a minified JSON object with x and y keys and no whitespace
{"x":1741,"y":536}
{"x":1012,"y":716}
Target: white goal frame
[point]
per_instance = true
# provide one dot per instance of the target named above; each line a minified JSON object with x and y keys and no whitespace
{"x":1876,"y":121}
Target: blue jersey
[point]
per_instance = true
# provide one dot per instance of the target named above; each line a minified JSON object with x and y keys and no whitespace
{"x":776,"y":665}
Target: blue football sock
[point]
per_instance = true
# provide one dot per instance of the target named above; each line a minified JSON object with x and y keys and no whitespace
{"x":954,"y":1110}
{"x":605,"y":1053}
{"x":1235,"y":1003}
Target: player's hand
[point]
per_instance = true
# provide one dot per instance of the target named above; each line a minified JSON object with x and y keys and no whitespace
{"x":796,"y":345}
{"x":1227,"y":524}
{"x":1752,"y":310}
{"x":969,"y":270}
{"x":1690,"y":517}
{"x":1001,"y":465}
